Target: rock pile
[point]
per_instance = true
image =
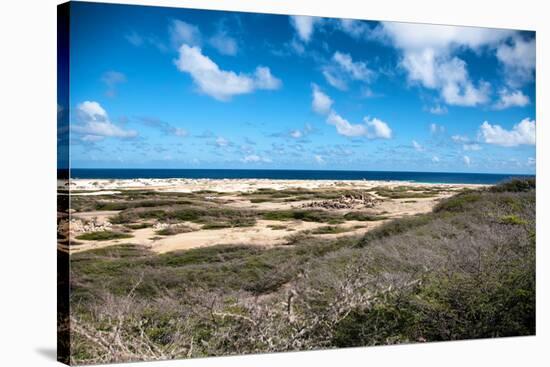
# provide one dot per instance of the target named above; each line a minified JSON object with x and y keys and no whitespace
{"x":347,"y":201}
{"x":77,"y":226}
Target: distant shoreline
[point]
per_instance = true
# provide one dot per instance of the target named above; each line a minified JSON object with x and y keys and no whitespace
{"x":315,"y":175}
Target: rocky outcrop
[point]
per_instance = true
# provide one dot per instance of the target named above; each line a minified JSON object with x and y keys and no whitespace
{"x":346,"y":201}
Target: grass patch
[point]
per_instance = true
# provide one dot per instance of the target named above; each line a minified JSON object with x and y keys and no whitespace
{"x":138,"y":225}
{"x":103,"y":236}
{"x":304,"y":215}
{"x":173,"y":230}
{"x":512,"y":219}
{"x":363,"y":217}
{"x":458,"y":202}
{"x":277,"y":227}
{"x":330,"y":230}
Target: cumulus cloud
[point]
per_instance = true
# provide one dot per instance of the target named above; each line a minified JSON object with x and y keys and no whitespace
{"x":319,"y":159}
{"x":471,"y":147}
{"x":263,"y":79}
{"x":378,"y":129}
{"x":321,"y":103}
{"x":417,"y":146}
{"x":438,"y":110}
{"x":94,"y":124}
{"x":225,"y":44}
{"x":254,"y":158}
{"x":356,"y":70}
{"x":222,"y":142}
{"x":163,"y":126}
{"x":467,"y":160}
{"x":371,"y":128}
{"x":344,"y":127}
{"x":523,"y":133}
{"x":509,"y":98}
{"x":519,"y":60}
{"x":334,"y":80}
{"x":220,"y":84}
{"x":427,"y":58}
{"x":112,"y":79}
{"x":343,"y":69}
{"x":460,"y":139}
{"x":183,"y":32}
{"x":355,"y":28}
{"x":436,"y":129}
{"x":304,"y":26}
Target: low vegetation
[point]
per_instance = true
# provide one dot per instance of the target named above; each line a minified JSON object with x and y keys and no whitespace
{"x":465,"y":270}
{"x":103,"y":236}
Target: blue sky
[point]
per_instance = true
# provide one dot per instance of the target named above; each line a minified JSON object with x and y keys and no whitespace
{"x":154,"y":87}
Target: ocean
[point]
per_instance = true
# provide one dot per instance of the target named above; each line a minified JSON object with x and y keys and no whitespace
{"x":421,"y":177}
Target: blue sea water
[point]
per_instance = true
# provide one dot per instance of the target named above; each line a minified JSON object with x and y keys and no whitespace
{"x":424,"y":177}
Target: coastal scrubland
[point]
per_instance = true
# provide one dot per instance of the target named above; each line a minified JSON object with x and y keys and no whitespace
{"x":373,"y":273}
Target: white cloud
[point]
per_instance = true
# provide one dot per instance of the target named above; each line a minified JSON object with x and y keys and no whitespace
{"x":511,"y":99}
{"x":265,"y":80}
{"x":471,"y":147}
{"x":111,"y":79}
{"x":355,"y":28}
{"x":438,"y":110}
{"x":435,"y":159}
{"x":357,"y":70}
{"x":319,"y":159}
{"x":372,"y":128}
{"x":523,"y":133}
{"x":436,"y":129}
{"x":343,"y":69}
{"x":321,"y":103}
{"x":163,"y":126}
{"x":335,"y":81}
{"x":380,"y":129}
{"x":94,"y":123}
{"x":531,"y":161}
{"x":417,"y":146}
{"x":254,"y":158}
{"x":344,"y":127}
{"x":222,"y":142}
{"x":134,"y":38}
{"x":427,"y":57}
{"x":220,"y":84}
{"x":304,"y":26}
{"x":182,"y":32}
{"x":460,"y":139}
{"x":225,"y":44}
{"x":519,"y":60}
{"x":467,"y":160}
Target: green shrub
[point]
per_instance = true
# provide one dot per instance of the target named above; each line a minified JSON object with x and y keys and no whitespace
{"x":512,"y":219}
{"x":458,"y":202}
{"x":103,"y":236}
{"x":363,"y":217}
{"x":516,"y":185}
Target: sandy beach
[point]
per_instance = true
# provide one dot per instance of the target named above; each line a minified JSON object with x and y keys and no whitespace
{"x":386,"y":200}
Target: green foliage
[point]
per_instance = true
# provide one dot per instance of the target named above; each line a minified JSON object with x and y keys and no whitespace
{"x":458,"y":202}
{"x":305,"y":215}
{"x":330,"y":230}
{"x":516,"y":185}
{"x":102,"y":236}
{"x":172,"y":230}
{"x":512,"y":219}
{"x":466,"y":270}
{"x":363,"y":216}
